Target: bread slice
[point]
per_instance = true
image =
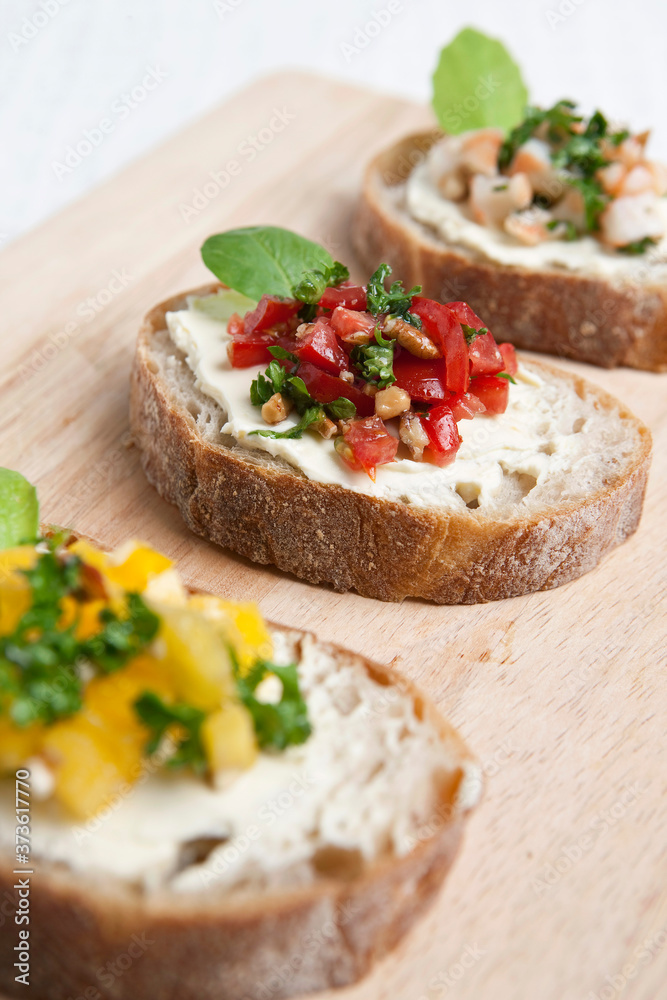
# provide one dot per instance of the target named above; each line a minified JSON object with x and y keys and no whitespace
{"x":573,"y":315}
{"x":268,"y":511}
{"x":310,"y":924}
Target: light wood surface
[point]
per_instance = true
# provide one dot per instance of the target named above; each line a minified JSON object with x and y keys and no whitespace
{"x":562,"y":880}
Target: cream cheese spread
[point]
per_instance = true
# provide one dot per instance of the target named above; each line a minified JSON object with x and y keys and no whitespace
{"x":454,"y":224}
{"x":337,"y":790}
{"x":533,"y":438}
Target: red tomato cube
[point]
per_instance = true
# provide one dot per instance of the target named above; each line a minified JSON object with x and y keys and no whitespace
{"x":249,"y":352}
{"x":425,"y":381}
{"x":270,"y":311}
{"x":443,"y":434}
{"x":493,"y":392}
{"x":509,"y":357}
{"x":326,"y":388}
{"x":444,"y":329}
{"x":371,"y":444}
{"x":320,"y":347}
{"x":465,"y":406}
{"x":347,"y":295}
{"x":345,"y":322}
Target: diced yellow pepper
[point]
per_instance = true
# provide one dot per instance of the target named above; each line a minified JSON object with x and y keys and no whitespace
{"x":17,"y":744}
{"x":242,"y":625}
{"x":194,"y":658}
{"x":91,"y":766}
{"x":228,"y":738}
{"x":14,"y":588}
{"x":134,"y":573}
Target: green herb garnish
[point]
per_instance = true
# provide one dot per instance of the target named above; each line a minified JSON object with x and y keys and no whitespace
{"x":477,"y":83}
{"x":310,"y":416}
{"x":506,"y":375}
{"x":569,"y":229}
{"x":281,"y":724}
{"x":158,"y":717}
{"x":40,"y":663}
{"x":19,"y":510}
{"x":639,"y":246}
{"x":396,"y":301}
{"x":375,"y":360}
{"x":471,"y":334}
{"x":277,"y":378}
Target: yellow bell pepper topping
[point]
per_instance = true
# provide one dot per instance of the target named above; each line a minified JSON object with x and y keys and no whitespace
{"x":228,"y":738}
{"x":14,"y":588}
{"x":242,"y":625}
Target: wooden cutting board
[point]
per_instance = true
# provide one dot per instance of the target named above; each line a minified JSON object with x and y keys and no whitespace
{"x":561,"y":887}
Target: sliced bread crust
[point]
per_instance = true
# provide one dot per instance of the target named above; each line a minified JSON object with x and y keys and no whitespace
{"x":578,"y":316}
{"x":265,"y":510}
{"x":102,"y":935}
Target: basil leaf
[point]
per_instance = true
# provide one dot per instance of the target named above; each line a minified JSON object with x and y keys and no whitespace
{"x":19,"y":510}
{"x":263,"y":260}
{"x":477,"y":83}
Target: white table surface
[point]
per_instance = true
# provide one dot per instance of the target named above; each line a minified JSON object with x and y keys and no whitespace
{"x":66,"y":64}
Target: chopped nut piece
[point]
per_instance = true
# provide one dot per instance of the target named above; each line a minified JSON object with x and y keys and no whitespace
{"x":303,"y":330}
{"x":327,"y":428}
{"x":391,"y":402}
{"x":413,"y":435}
{"x":369,"y":389}
{"x":276,"y":409}
{"x":413,"y":340}
{"x":346,"y":376}
{"x":358,"y":337}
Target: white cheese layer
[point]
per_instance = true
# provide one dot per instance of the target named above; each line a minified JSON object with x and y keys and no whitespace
{"x":365,"y":781}
{"x":454,"y":224}
{"x":534,"y":438}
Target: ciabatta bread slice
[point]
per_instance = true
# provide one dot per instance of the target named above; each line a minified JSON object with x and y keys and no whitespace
{"x":353,"y":840}
{"x":579,"y":315}
{"x":534,"y":536}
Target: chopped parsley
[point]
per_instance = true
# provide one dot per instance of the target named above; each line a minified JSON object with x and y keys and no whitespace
{"x":396,"y":301}
{"x":312,"y":285}
{"x":471,"y":334}
{"x":40,"y":663}
{"x":159,"y":718}
{"x":277,"y":378}
{"x":639,"y":246}
{"x":280,"y":724}
{"x":375,"y":361}
{"x":568,"y":228}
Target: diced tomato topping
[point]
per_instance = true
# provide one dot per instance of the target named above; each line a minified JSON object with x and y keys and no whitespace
{"x":235,"y":325}
{"x":271,"y":310}
{"x":326,"y":388}
{"x":349,"y":296}
{"x":348,"y":321}
{"x":509,"y":357}
{"x":485,"y":358}
{"x":371,"y":444}
{"x":320,"y":347}
{"x":493,"y":392}
{"x":443,"y":434}
{"x":466,"y":406}
{"x":444,"y":329}
{"x":246,"y":352}
{"x":425,"y":381}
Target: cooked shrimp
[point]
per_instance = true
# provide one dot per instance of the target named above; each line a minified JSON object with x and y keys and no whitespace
{"x":534,"y":160}
{"x":631,"y":218}
{"x":612,"y":177}
{"x":529,"y":226}
{"x":480,"y":149}
{"x":492,"y":199}
{"x":636,"y":180}
{"x":571,"y":208}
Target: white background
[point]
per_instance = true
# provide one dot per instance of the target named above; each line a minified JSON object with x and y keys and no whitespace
{"x":84,"y":55}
